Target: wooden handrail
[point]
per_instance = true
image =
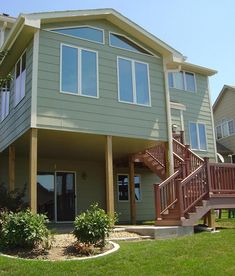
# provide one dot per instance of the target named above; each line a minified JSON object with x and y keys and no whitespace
{"x":158,"y":161}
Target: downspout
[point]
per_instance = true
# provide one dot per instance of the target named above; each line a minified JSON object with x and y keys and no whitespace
{"x":212,"y":120}
{"x":169,"y":122}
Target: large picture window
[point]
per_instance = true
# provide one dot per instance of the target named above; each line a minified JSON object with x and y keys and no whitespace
{"x":133,"y":82}
{"x":197,"y":132}
{"x":182,"y":80}
{"x":20,"y":77}
{"x":79,"y":71}
{"x":123,"y":187}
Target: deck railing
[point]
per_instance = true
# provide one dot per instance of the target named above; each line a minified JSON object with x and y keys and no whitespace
{"x":207,"y":180}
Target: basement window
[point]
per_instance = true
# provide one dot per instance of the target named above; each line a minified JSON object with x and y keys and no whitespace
{"x":123,"y":187}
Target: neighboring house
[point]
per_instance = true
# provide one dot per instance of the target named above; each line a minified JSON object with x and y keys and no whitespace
{"x":224,"y":117}
{"x":90,"y":114}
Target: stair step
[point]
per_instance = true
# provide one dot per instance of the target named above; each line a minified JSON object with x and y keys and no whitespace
{"x":168,"y":222}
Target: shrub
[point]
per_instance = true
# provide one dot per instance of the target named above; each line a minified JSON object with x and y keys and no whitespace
{"x":12,"y":201}
{"x":23,"y":229}
{"x":92,"y":226}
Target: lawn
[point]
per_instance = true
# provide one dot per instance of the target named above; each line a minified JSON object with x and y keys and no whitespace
{"x":200,"y":254}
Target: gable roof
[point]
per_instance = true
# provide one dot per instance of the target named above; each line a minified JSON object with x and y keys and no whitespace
{"x":222,"y":93}
{"x":30,"y":23}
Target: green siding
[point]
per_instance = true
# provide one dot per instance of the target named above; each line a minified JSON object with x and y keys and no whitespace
{"x":104,"y":115}
{"x":197,"y":110}
{"x":145,"y":209}
{"x":18,"y":120}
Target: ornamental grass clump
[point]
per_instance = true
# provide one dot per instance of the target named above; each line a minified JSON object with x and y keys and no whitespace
{"x":23,"y":230}
{"x":93,"y":226}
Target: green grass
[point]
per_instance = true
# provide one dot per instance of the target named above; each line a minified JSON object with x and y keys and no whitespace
{"x":200,"y":254}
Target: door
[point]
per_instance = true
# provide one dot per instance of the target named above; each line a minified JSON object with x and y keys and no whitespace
{"x":65,"y":196}
{"x":56,"y":195}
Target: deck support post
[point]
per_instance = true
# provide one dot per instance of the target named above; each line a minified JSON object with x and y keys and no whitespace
{"x":33,"y":170}
{"x":132,"y":191}
{"x":211,"y":219}
{"x":109,"y":176}
{"x":11,"y":176}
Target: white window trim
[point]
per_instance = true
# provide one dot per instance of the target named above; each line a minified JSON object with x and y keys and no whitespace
{"x":128,"y":176}
{"x":198,"y":138}
{"x":133,"y":61}
{"x":20,"y":58}
{"x":134,"y":42}
{"x":224,"y":121}
{"x":79,"y":92}
{"x":184,"y":81}
{"x":80,"y":26}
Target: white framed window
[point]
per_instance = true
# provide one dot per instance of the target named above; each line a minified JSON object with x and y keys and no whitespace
{"x":182,"y":80}
{"x":123,"y":187}
{"x":83,"y":32}
{"x":20,"y":78}
{"x":197,"y":134}
{"x":133,"y":82}
{"x":79,"y":71}
{"x":5,"y":101}
{"x":226,"y":128}
{"x":122,"y":42}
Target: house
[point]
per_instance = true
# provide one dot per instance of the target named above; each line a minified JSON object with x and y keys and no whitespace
{"x":224,"y":117}
{"x":100,"y":110}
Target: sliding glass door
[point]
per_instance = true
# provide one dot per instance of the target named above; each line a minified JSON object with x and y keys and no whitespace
{"x":56,"y":195}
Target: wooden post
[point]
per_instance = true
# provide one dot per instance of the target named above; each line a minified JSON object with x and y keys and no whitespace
{"x":211,"y":219}
{"x":208,"y":175}
{"x":109,"y":176}
{"x":167,"y":162}
{"x":33,"y":170}
{"x":11,"y":176}
{"x":132,"y":191}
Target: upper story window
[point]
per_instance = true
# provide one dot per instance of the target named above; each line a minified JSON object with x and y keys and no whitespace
{"x":83,"y":32}
{"x":5,"y":101}
{"x":133,"y":82}
{"x":79,"y":71}
{"x":20,"y":77}
{"x":120,"y":41}
{"x":197,"y":133}
{"x":226,"y":128}
{"x":123,"y":187}
{"x":182,"y":80}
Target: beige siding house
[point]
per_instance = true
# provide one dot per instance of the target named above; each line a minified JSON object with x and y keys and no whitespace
{"x":99,"y":110}
{"x":224,"y":117}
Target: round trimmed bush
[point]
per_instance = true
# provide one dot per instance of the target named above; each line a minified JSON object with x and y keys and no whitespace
{"x":23,"y":229}
{"x":91,"y":227}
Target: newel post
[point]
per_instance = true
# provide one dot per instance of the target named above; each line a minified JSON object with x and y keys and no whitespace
{"x":157,"y":199}
{"x":187,"y":160}
{"x":208,"y":174}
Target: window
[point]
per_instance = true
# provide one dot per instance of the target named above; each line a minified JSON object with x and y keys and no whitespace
{"x":20,"y":77}
{"x":219,"y":132}
{"x":79,"y":71}
{"x":85,"y":32}
{"x":226,"y":128}
{"x":122,"y":42}
{"x":133,"y":82}
{"x":182,"y":80}
{"x":123,"y":187}
{"x":5,"y":101}
{"x":197,"y":132}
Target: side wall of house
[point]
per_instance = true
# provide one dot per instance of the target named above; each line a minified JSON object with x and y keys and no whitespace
{"x":105,"y":115}
{"x":18,"y":120}
{"x":197,"y":110}
{"x":225,"y":110}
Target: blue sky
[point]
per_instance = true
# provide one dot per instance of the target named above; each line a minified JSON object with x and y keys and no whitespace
{"x":202,"y":30}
